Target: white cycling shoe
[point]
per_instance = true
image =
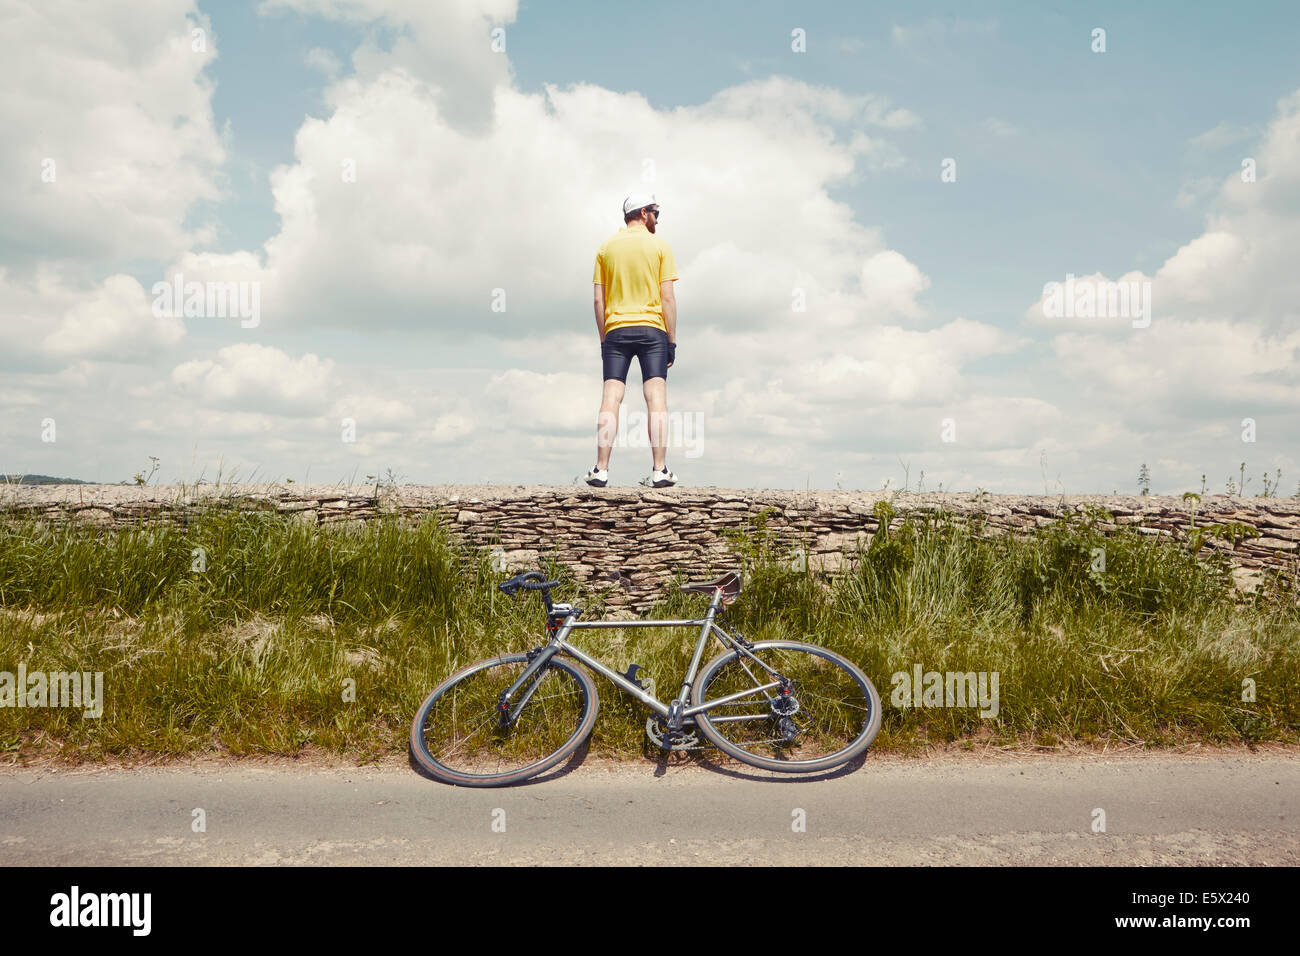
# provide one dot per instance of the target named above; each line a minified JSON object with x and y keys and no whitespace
{"x":598,"y":477}
{"x":662,"y":479}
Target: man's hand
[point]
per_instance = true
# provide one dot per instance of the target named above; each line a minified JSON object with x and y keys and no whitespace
{"x":668,"y":297}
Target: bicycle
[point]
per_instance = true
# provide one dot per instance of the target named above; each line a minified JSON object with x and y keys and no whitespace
{"x":779,"y":705}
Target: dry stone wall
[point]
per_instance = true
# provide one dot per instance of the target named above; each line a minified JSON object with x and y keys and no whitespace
{"x":628,"y":542}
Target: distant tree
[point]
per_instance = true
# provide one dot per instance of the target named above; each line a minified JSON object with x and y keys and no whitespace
{"x":1144,"y":479}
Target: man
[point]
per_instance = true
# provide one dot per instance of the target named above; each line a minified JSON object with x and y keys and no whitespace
{"x":636,"y":315}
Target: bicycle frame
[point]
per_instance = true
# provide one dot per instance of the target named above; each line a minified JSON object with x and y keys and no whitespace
{"x":675,"y":712}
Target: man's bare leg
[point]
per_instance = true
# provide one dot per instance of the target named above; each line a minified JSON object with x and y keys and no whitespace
{"x":656,"y":405}
{"x":607,"y":422}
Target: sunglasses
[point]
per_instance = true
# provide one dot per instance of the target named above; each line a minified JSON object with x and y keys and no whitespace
{"x":655,"y":211}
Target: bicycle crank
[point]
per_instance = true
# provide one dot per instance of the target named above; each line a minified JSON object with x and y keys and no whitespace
{"x":687,"y":738}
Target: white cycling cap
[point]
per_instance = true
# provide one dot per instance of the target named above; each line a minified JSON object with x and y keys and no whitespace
{"x":638,"y":201}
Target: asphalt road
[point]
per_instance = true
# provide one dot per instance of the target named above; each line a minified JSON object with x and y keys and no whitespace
{"x":1179,"y":810}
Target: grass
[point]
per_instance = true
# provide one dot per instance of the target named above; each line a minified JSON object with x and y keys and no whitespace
{"x":251,"y":633}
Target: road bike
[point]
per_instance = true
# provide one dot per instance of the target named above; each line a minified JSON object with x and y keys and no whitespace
{"x":779,"y":705}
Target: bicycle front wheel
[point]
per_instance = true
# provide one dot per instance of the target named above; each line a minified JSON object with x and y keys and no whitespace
{"x":796,"y":708}
{"x":461,"y":736}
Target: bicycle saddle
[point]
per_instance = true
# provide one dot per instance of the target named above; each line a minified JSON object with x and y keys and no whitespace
{"x":729,"y":583}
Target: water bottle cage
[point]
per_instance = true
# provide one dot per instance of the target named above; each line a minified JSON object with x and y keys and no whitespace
{"x":631,"y":675}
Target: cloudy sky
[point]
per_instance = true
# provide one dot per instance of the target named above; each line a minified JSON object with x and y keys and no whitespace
{"x":867,"y":207}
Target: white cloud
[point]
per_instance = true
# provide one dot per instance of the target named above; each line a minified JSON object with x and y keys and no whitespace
{"x":1223,"y":134}
{"x":319,"y":58}
{"x":116,"y":321}
{"x":446,"y":46}
{"x":1179,"y":363}
{"x":257,"y":378}
{"x":448,"y":428}
{"x":1224,"y":339}
{"x":1000,"y":422}
{"x":435,"y":208}
{"x":888,"y":364}
{"x":891,"y":284}
{"x":112,"y":95}
{"x":564,"y":401}
{"x":1196,"y":190}
{"x":205,"y":421}
{"x":1242,"y":268}
{"x":1195,"y":273}
{"x":49,"y":318}
{"x":373,"y":410}
{"x":1223,"y":344}
{"x":742,"y":179}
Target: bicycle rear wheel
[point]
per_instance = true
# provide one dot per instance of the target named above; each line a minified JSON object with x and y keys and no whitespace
{"x":460,"y":736}
{"x":822,"y":712}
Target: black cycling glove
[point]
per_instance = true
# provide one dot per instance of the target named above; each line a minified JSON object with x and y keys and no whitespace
{"x":672,"y":352}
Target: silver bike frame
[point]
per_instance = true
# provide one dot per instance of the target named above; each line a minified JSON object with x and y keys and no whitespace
{"x":706,"y":624}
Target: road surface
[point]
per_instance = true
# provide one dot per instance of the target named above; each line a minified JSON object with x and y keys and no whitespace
{"x":1233,"y":808}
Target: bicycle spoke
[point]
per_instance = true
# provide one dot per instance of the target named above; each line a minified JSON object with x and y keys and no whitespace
{"x":757,"y":683}
{"x":827,"y":711}
{"x":463,"y":732}
{"x":839,"y":703}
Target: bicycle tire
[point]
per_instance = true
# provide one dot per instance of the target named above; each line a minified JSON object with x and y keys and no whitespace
{"x":845,"y":715}
{"x":538,"y":740}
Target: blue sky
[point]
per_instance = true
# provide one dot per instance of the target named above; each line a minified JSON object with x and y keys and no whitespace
{"x":1068,"y":161}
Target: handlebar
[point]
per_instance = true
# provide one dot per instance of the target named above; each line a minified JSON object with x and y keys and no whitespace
{"x":530,"y":581}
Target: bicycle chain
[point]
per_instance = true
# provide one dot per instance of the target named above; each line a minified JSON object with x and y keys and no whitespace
{"x":710,"y":746}
{"x":663,"y":735}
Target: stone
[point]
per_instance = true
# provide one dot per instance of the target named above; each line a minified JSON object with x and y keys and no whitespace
{"x":656,"y":533}
{"x":1276,"y":544}
{"x":827,"y":562}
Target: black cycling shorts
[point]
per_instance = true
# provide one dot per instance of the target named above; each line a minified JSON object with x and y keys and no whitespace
{"x":647,"y":343}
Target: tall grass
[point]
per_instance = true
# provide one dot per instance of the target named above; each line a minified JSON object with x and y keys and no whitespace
{"x":249,"y":632}
{"x":1094,"y":637}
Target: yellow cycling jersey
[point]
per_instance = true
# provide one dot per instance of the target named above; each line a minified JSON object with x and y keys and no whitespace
{"x":630,"y":265}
